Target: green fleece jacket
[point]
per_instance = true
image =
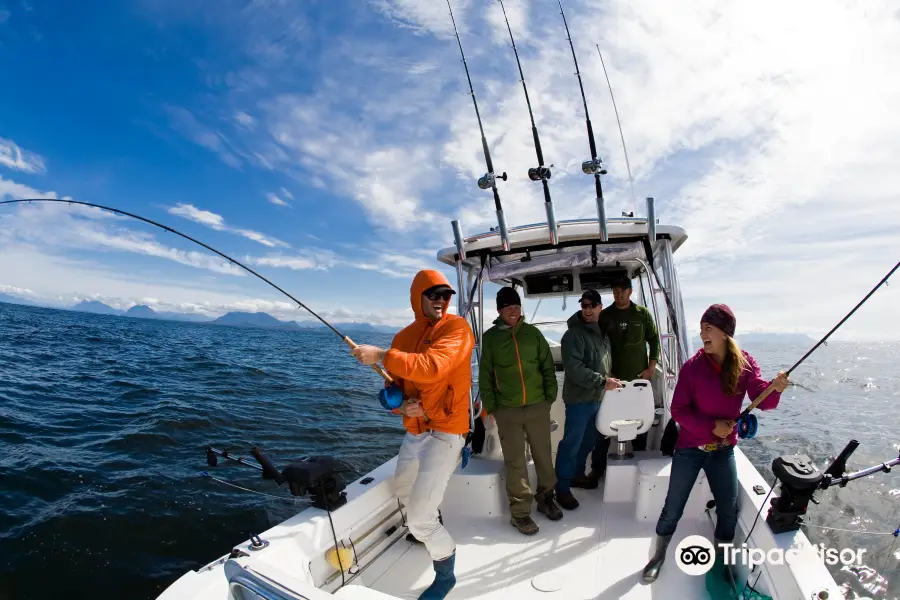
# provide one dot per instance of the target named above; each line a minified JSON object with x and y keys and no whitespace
{"x":631,"y":330}
{"x":586,"y":359}
{"x":516,"y":367}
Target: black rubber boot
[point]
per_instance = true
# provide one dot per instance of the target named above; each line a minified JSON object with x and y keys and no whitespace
{"x":651,"y":571}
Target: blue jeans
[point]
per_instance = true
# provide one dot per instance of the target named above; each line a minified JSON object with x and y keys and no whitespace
{"x":721,"y":472}
{"x":578,"y":440}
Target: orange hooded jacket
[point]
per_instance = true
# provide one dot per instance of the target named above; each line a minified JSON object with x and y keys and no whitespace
{"x":431,"y":361}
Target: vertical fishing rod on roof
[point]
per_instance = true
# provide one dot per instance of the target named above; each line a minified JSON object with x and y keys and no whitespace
{"x":489,"y":179}
{"x":595,"y":165}
{"x":539,"y":173}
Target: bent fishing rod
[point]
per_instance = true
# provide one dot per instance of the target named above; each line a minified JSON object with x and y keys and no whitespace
{"x":595,"y":165}
{"x":345,"y":338}
{"x":489,"y":179}
{"x":540,"y":173}
{"x":771,"y":387}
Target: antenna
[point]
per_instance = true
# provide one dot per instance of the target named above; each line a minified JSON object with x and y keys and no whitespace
{"x":488,"y":180}
{"x":540,"y":173}
{"x":595,"y":165}
{"x":622,"y":135}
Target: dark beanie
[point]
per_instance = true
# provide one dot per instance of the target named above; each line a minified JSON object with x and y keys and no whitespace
{"x":720,"y":316}
{"x":507,"y":297}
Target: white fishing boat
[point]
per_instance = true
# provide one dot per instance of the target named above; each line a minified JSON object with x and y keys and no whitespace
{"x":358,"y":549}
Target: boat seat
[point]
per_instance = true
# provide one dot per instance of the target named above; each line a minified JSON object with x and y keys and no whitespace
{"x":626,"y":413}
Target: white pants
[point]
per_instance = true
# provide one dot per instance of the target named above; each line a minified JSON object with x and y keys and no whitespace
{"x":424,"y":467}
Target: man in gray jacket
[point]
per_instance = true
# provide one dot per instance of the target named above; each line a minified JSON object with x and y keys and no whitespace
{"x":586,"y":360}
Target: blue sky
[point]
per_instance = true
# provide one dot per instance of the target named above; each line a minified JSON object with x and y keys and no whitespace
{"x":330,"y":144}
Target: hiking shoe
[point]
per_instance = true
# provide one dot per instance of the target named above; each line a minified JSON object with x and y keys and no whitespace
{"x":589,"y":481}
{"x":585,"y":482}
{"x":525,"y":525}
{"x":566,"y":500}
{"x":547,"y":506}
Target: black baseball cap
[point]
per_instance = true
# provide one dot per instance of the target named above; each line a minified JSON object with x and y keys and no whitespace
{"x":592,"y":296}
{"x":622,"y":283}
{"x":438,"y":289}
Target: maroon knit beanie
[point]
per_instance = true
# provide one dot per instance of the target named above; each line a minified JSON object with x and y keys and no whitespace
{"x":720,"y":316}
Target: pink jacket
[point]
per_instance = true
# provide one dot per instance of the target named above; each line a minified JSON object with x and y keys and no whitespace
{"x":698,"y":400}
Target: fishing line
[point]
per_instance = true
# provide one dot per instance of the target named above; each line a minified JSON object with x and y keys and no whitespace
{"x":622,"y":135}
{"x":243,"y":489}
{"x":346,"y":339}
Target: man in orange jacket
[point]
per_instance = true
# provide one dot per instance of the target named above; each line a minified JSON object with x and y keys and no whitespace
{"x":430,"y":361}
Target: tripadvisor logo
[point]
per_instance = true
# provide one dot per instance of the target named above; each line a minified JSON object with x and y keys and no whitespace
{"x":695,"y":555}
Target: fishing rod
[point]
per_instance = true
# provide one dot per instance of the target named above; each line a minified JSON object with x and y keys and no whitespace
{"x":595,"y":165}
{"x":345,"y":338}
{"x":539,"y":173}
{"x":489,"y":179}
{"x":619,"y":122}
{"x":747,"y":423}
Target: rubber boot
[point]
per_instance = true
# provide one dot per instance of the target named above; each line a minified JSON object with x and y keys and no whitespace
{"x":444,"y":579}
{"x":651,"y":571}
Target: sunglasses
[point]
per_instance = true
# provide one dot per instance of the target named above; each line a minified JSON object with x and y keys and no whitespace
{"x":589,"y":305}
{"x":439,"y":295}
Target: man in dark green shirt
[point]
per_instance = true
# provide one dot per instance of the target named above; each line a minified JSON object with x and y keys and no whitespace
{"x":631,"y":330}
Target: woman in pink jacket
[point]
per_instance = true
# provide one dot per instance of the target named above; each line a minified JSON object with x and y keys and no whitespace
{"x":706,"y":404}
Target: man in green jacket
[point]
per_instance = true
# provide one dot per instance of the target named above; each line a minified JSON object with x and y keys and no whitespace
{"x":631,"y":330}
{"x":586,"y":359}
{"x":517,"y":382}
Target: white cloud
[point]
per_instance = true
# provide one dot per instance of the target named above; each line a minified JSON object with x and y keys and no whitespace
{"x":185,"y":123}
{"x":245,"y":120}
{"x":217,"y":222}
{"x":71,"y":226}
{"x":274,"y":199}
{"x":422,"y":15}
{"x":14,"y":157}
{"x":287,"y":194}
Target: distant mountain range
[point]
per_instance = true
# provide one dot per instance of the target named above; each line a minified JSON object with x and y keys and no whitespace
{"x":14,"y":300}
{"x":260,"y":319}
{"x":234,"y":319}
{"x":764,"y":338}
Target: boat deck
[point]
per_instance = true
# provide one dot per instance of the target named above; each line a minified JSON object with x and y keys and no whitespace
{"x":594,"y":552}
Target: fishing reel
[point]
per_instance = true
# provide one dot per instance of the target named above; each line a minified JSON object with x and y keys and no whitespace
{"x":489,"y":180}
{"x":539,"y":173}
{"x":747,"y":426}
{"x":593,"y":166}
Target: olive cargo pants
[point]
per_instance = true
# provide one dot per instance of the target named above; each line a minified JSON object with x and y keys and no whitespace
{"x":516,"y":425}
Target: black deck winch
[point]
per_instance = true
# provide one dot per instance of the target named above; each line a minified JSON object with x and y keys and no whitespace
{"x":313,"y":475}
{"x":800,"y":478}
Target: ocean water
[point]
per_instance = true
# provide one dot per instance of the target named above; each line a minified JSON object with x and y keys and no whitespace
{"x":104,"y":421}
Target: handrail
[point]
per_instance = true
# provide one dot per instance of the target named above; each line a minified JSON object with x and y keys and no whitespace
{"x":533,"y":226}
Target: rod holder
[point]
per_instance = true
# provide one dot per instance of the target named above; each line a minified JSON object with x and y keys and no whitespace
{"x":651,"y":219}
{"x":504,"y":232}
{"x":458,"y":239}
{"x":551,"y":223}
{"x":601,"y":220}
